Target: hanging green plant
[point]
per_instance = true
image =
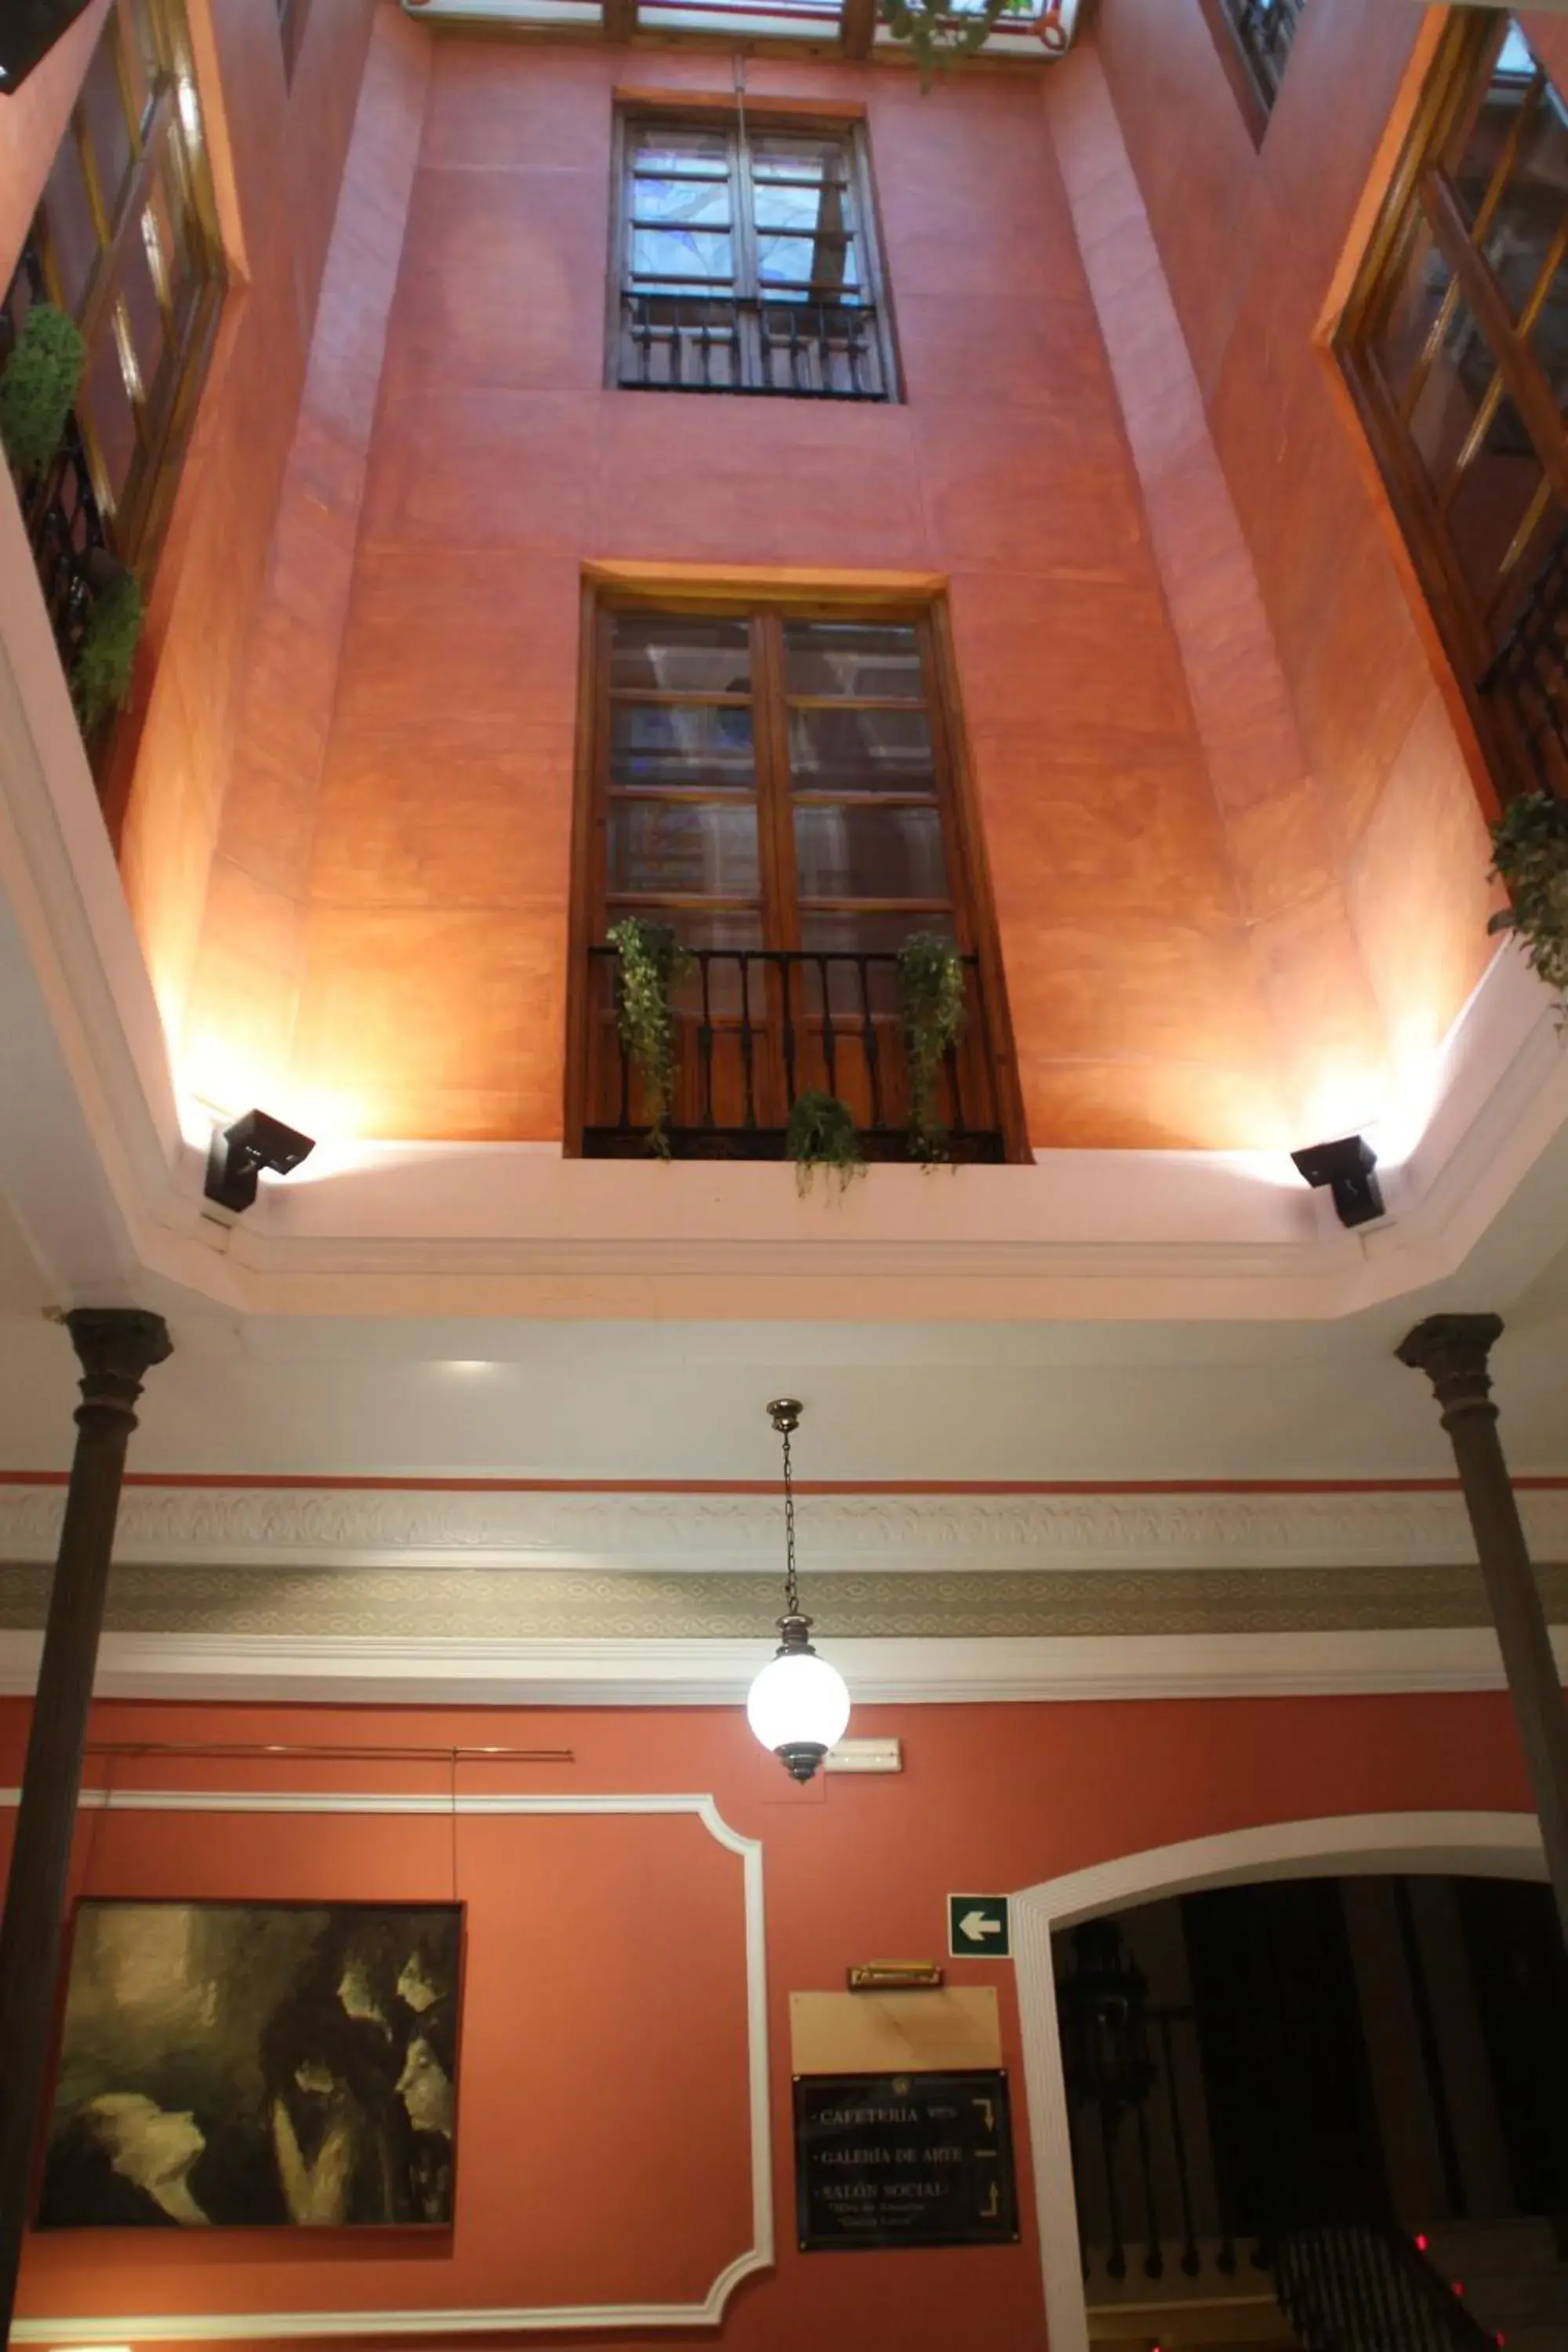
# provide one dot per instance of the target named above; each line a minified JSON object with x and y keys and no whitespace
{"x":939,"y":36}
{"x":101,"y":674}
{"x":37,"y":385}
{"x":651,"y":960}
{"x":822,"y":1133}
{"x":1529,"y":855}
{"x":931,"y":1005}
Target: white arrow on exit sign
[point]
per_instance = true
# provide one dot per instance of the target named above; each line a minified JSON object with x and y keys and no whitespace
{"x":978,"y":1927}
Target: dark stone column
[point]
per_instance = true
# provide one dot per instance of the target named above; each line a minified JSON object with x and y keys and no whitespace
{"x":116,"y":1347}
{"x":1453,"y":1350}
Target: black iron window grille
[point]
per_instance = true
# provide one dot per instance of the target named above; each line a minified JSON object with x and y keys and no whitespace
{"x":1264,"y":30}
{"x":747,"y":262}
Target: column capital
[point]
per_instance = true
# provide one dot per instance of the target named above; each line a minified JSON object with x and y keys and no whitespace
{"x":116,"y":1346}
{"x":1453,"y":1350}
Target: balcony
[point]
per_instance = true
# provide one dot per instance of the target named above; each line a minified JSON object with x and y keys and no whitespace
{"x":675,"y":343}
{"x":758,"y":1027}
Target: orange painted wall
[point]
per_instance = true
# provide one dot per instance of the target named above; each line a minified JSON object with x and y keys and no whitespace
{"x":419,"y":918}
{"x":1250,"y":240}
{"x":277,"y":152}
{"x":606,"y":1955}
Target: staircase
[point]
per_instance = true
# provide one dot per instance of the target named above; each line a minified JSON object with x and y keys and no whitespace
{"x":1361,"y":2286}
{"x":1515,"y":2285}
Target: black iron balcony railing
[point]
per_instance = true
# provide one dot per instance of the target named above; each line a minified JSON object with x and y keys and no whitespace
{"x":1364,"y":2287}
{"x":758,"y":1027}
{"x":717,"y":342}
{"x":1265,"y":30}
{"x":1525,"y":684}
{"x":65,"y":529}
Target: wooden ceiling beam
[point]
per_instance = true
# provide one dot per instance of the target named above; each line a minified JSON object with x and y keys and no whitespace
{"x":620,"y":20}
{"x":858,"y":27}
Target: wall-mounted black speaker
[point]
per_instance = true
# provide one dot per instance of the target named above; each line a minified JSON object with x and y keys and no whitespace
{"x":29,"y":31}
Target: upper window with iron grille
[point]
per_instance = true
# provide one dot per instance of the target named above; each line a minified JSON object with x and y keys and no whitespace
{"x":747,"y":260}
{"x":1254,"y":38}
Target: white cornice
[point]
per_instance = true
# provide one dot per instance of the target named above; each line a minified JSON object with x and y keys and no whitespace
{"x":497,"y":1527}
{"x":431,"y":1671}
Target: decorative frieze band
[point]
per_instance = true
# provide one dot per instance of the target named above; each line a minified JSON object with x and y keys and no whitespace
{"x":729,"y":1532}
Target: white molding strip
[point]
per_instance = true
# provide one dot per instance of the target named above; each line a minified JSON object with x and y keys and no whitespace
{"x":245,"y":2326}
{"x":1472,"y":1844}
{"x":275,"y":1528}
{"x":883,"y":1671}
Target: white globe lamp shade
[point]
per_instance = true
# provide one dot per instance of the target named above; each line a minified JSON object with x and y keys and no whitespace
{"x":798,"y":1706}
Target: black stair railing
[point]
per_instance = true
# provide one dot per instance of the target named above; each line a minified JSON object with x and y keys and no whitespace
{"x":1364,"y":2287}
{"x":757,"y":1027}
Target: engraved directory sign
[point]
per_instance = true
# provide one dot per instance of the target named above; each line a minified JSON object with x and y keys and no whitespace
{"x":904,"y":2160}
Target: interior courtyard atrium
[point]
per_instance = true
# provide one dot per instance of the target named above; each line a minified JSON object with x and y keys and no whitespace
{"x":784,"y":1003}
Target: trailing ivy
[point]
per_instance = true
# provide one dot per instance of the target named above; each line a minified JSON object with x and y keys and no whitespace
{"x":37,"y":385}
{"x":939,"y":36}
{"x":101,"y":674}
{"x":651,"y":960}
{"x":822,"y":1133}
{"x":932,"y":1005}
{"x":1529,"y":855}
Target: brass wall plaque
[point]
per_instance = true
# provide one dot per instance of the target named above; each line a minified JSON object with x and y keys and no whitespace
{"x":904,"y":2160}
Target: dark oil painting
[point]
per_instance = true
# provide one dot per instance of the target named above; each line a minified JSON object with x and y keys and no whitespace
{"x":231,"y":2065}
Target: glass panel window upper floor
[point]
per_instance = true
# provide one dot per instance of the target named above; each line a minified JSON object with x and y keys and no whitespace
{"x":747,"y":260}
{"x":1454,"y":344}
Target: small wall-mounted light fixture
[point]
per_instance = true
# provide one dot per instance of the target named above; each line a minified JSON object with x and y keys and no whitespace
{"x":238,"y":1155}
{"x":1346,"y":1168}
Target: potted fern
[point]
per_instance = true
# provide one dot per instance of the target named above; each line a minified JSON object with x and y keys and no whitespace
{"x":937,"y":35}
{"x":38,"y":386}
{"x":106,"y":656}
{"x":822,"y":1133}
{"x":650,"y":959}
{"x":1530,"y":857}
{"x":932,"y":1011}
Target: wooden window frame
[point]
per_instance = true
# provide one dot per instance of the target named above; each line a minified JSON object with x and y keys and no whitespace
{"x":848,"y":126}
{"x":1421,"y":197}
{"x":767,"y":608}
{"x":163,"y":140}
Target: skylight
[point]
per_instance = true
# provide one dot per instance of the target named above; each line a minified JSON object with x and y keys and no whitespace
{"x":1031,"y":28}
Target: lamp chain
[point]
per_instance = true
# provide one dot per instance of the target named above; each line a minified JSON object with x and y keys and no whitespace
{"x":792,"y":1595}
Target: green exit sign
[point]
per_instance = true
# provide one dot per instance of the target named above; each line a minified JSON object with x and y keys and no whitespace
{"x":978,"y":1927}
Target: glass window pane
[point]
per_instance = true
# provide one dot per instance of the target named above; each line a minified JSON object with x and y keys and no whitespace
{"x":1516,"y":88}
{"x":706,"y":745}
{"x":1492,"y":499}
{"x":853,"y":750}
{"x":105,"y":408}
{"x":803,"y":205}
{"x":807,"y":261}
{"x":1530,"y":210}
{"x":679,"y":147}
{"x":869,"y":852}
{"x":861,"y":657}
{"x":688,"y":204}
{"x":143,"y":318}
{"x":775,"y":155}
{"x":683,"y":849}
{"x":663,"y":255}
{"x":107,"y":131}
{"x":681,"y":653}
{"x":68,"y":217}
{"x":1402,"y":334}
{"x":1459,"y":380}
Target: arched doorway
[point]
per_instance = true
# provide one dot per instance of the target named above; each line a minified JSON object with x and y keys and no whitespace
{"x":1500,"y":1845}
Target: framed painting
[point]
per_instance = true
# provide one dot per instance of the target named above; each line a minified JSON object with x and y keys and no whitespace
{"x":244,"y":2065}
